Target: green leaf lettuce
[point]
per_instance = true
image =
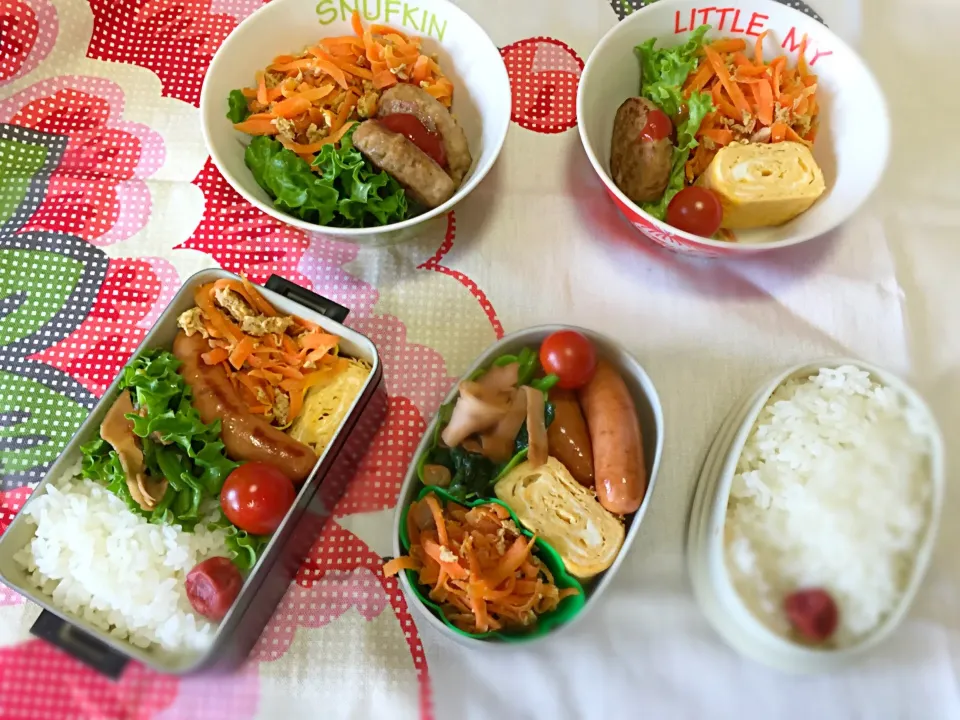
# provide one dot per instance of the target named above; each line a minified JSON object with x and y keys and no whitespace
{"x":176,"y":444}
{"x":237,"y":107}
{"x":663,"y":73}
{"x":348,"y":192}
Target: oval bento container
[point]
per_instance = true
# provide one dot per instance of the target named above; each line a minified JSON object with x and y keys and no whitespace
{"x":467,"y":55}
{"x":707,"y":567}
{"x":269,"y":579}
{"x":852,"y":154}
{"x":650,"y":414}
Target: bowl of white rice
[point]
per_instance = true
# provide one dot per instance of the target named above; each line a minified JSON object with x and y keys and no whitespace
{"x":816,"y":514}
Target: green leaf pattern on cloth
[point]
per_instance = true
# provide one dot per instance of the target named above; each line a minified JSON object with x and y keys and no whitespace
{"x":49,"y":282}
{"x":42,"y":281}
{"x":35,"y":423}
{"x":20,"y":162}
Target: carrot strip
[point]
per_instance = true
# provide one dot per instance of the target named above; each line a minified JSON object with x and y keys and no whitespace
{"x":793,"y":136}
{"x":421,"y":70}
{"x":758,"y":49}
{"x":404,"y":562}
{"x":384,"y":79}
{"x":349,"y":103}
{"x":291,"y":107}
{"x":728,"y":45}
{"x":387,"y":31}
{"x":777,"y":67}
{"x":733,"y":90}
{"x":764,"y":103}
{"x":343,"y":40}
{"x":354,"y":70}
{"x":318,"y":93}
{"x":801,"y":57}
{"x":723,"y":105}
{"x":437,"y":513}
{"x":721,"y":136}
{"x":241,"y":352}
{"x":318,"y":340}
{"x":294,"y":66}
{"x":260,"y":126}
{"x":778,"y":132}
{"x":699,"y":79}
{"x":356,"y":23}
{"x":226,"y":327}
{"x":330,"y":67}
{"x":262,"y":88}
{"x":215,"y":356}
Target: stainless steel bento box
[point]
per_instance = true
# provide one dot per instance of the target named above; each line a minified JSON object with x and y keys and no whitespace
{"x":267,"y":582}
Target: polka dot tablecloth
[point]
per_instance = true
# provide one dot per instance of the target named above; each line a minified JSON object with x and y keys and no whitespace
{"x":108,"y":201}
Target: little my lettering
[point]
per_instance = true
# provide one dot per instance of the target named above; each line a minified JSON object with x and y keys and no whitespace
{"x":735,"y":20}
{"x":387,"y":12}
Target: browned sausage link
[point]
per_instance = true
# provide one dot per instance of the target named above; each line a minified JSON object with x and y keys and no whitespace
{"x":568,"y":437}
{"x":615,"y":433}
{"x":425,"y":182}
{"x":407,"y":98}
{"x":640,"y":168}
{"x":246,"y":437}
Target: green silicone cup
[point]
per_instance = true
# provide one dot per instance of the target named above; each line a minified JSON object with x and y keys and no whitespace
{"x":547,"y":622}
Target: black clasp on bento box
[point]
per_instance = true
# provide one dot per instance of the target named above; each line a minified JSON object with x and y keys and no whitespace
{"x":79,"y":645}
{"x":328,"y":308}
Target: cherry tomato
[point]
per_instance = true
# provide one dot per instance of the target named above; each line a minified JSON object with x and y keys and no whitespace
{"x":658,"y":126}
{"x":813,"y":613}
{"x":256,"y":496}
{"x":212,"y":586}
{"x":413,"y":130}
{"x":569,"y":356}
{"x":695,"y":210}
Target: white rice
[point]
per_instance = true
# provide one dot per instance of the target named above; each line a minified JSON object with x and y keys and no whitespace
{"x":109,"y":566}
{"x":832,"y":491}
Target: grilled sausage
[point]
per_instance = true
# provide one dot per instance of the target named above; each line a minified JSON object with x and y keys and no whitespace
{"x":615,"y":433}
{"x":407,"y":98}
{"x":246,"y":437}
{"x":640,"y":168}
{"x":568,"y":437}
{"x":424,"y":180}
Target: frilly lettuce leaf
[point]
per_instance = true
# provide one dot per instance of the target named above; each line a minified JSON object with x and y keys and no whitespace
{"x":176,"y":445}
{"x":348,"y":192}
{"x":663,"y":73}
{"x":246,"y":548}
{"x":237,"y":107}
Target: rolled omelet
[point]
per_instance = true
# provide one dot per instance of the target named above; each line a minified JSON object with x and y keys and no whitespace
{"x":548,"y":501}
{"x":761,"y":185}
{"x":327,"y":403}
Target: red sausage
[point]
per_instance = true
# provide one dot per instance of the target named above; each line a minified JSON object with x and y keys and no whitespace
{"x":621,"y":477}
{"x":247,"y":438}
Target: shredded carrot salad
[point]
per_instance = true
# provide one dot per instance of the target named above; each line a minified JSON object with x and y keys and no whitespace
{"x":480,"y":569}
{"x":271,"y":360}
{"x":312,"y":99}
{"x":755,"y":100}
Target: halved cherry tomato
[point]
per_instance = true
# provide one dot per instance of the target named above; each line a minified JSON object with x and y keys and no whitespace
{"x":813,"y":613}
{"x":256,"y":496}
{"x":695,"y":210}
{"x":212,"y":586}
{"x":657,"y":127}
{"x":570,"y":356}
{"x":416,"y":132}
